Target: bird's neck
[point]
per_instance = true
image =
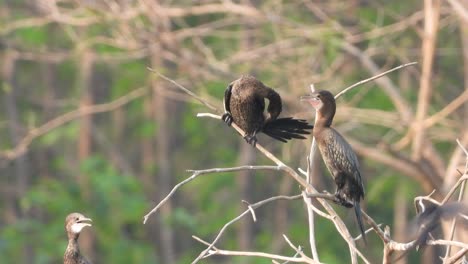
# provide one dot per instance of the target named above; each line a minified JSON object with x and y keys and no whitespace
{"x":73,"y":250}
{"x":323,"y":119}
{"x":274,"y":104}
{"x":73,"y":242}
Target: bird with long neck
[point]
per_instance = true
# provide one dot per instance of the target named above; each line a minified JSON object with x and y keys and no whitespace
{"x":337,"y":154}
{"x":74,"y":223}
{"x":244,"y":104}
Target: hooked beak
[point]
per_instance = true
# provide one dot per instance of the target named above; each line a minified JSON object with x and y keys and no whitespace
{"x":306,"y":98}
{"x":312,"y":99}
{"x":80,"y":224}
{"x":313,"y":96}
{"x":85,"y":221}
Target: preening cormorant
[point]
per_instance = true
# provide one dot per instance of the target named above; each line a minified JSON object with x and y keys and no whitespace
{"x":337,"y":154}
{"x":244,"y":104}
{"x":74,"y":223}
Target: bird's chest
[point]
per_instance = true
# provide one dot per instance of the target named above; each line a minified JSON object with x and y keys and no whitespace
{"x":330,"y":154}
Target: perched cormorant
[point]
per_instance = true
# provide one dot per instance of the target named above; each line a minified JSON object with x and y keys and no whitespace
{"x":244,"y":103}
{"x":74,"y":223}
{"x":337,"y":154}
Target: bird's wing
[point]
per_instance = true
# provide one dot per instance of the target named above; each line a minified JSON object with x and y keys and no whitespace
{"x":342,"y":156}
{"x":227,"y":99}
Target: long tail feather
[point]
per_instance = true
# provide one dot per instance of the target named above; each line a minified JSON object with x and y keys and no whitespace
{"x":284,"y":129}
{"x":357,"y":210}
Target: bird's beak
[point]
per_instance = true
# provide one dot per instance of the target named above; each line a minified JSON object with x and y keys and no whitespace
{"x":85,"y":221}
{"x":312,"y":100}
{"x":307,"y":98}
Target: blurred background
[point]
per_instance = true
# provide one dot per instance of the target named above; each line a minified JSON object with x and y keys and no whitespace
{"x":85,"y":126}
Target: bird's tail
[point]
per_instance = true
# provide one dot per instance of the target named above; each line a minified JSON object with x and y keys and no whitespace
{"x":284,"y":129}
{"x":357,"y":210}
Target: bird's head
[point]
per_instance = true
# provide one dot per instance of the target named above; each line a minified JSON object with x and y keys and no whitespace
{"x":75,"y":222}
{"x":324,"y":103}
{"x":319,"y":98}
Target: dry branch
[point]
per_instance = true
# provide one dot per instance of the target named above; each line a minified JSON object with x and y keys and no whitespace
{"x":34,"y":133}
{"x":197,"y":173}
{"x":273,"y":257}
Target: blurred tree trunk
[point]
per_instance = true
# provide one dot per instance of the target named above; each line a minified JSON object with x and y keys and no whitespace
{"x":280,"y":217}
{"x":20,"y":164}
{"x":161,"y":24}
{"x":46,"y":155}
{"x":147,"y":175}
{"x":400,"y":219}
{"x":163,"y":153}
{"x":429,"y":40}
{"x":86,"y":59}
{"x":247,"y":155}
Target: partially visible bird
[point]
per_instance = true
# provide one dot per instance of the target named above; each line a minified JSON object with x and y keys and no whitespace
{"x":244,"y":104}
{"x":337,"y":154}
{"x":430,"y":213}
{"x":74,"y":223}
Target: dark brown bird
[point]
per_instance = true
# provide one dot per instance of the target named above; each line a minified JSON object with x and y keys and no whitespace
{"x":430,"y":213}
{"x":337,"y":154}
{"x":74,"y":223}
{"x":244,"y":104}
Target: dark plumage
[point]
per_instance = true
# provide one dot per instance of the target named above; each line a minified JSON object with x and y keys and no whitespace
{"x":244,"y":104}
{"x":430,"y":213}
{"x":337,"y":154}
{"x":74,"y":223}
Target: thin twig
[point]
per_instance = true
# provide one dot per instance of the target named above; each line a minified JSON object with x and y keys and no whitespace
{"x":261,"y":254}
{"x":254,"y":206}
{"x":456,"y":256}
{"x":199,"y":99}
{"x":34,"y":133}
{"x":373,"y":78}
{"x":298,"y":250}
{"x":197,"y":173}
{"x":310,"y":214}
{"x":252,"y":212}
{"x":460,"y":197}
{"x":366,"y":232}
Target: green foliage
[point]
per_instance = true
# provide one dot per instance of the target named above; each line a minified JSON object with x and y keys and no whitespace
{"x":130,"y":75}
{"x":32,"y":37}
{"x":115,"y":203}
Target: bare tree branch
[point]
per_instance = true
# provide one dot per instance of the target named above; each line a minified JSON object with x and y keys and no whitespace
{"x":254,"y":206}
{"x":197,"y":173}
{"x":34,"y":133}
{"x":374,"y":77}
{"x":431,"y":22}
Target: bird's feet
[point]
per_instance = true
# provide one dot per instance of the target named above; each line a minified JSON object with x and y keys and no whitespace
{"x":251,"y":139}
{"x":227,"y":118}
{"x":342,"y":201}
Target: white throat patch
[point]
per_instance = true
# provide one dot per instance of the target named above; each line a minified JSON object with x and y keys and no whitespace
{"x":77,"y":227}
